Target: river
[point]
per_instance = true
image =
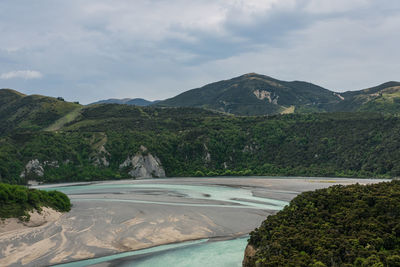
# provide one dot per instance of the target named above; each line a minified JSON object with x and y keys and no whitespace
{"x":158,"y":222}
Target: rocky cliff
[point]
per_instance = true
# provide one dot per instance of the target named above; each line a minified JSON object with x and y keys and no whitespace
{"x":143,"y":165}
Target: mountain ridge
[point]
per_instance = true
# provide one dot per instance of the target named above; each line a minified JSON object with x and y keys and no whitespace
{"x":127,"y":101}
{"x":255,"y":94}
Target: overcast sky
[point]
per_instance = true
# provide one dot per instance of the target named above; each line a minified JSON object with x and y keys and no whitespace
{"x":86,"y":50}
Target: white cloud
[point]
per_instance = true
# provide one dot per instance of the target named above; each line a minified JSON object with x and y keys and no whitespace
{"x":22,"y":74}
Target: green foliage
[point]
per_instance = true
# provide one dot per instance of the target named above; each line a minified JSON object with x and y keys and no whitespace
{"x":16,"y":201}
{"x":196,"y":142}
{"x":356,"y":225}
{"x":191,"y":141}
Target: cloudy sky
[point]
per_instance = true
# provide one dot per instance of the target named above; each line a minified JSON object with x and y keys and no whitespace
{"x":86,"y":50}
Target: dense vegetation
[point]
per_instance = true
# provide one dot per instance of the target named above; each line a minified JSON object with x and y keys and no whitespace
{"x":72,"y":143}
{"x":196,"y":142}
{"x":352,"y":225}
{"x":16,"y":201}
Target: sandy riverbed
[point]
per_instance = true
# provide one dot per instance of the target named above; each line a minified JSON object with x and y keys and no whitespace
{"x":113,"y":217}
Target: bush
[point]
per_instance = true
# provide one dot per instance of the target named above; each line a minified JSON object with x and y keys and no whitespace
{"x":16,"y":201}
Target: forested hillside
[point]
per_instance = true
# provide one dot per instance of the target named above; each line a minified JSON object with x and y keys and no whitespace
{"x":351,"y":225}
{"x":101,"y":141}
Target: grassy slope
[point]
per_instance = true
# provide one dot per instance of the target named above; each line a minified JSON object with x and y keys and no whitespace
{"x":33,"y":112}
{"x":383,"y":98}
{"x":69,"y":117}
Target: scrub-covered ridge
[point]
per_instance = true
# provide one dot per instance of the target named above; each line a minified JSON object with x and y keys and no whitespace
{"x":355,"y":225}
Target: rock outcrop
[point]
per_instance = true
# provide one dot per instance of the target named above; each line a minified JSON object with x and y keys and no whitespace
{"x":207,"y":156}
{"x":36,"y":169}
{"x":33,"y":167}
{"x":101,"y":158}
{"x":248,"y":254}
{"x":143,"y":165}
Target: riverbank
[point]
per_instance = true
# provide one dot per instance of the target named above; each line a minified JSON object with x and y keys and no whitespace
{"x":118,"y":216}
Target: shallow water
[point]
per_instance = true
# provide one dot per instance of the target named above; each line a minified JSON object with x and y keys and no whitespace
{"x":236,"y":197}
{"x":222,"y":253}
{"x":141,"y":252}
{"x":197,"y":253}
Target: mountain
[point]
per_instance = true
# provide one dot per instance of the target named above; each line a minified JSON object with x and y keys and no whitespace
{"x":30,"y":112}
{"x":255,"y":94}
{"x":127,"y":101}
{"x":384,"y":98}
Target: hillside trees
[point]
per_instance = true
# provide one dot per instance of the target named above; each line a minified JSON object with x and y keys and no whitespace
{"x":352,"y":225}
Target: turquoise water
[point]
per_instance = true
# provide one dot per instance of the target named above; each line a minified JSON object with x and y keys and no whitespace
{"x":222,"y":253}
{"x":198,"y":253}
{"x":130,"y":254}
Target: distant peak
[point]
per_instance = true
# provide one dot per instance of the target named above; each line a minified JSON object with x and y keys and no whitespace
{"x":256,"y":75}
{"x":252,"y":74}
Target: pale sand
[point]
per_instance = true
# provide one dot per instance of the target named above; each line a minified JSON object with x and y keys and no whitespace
{"x":47,"y":215}
{"x":98,"y":228}
{"x":13,"y":228}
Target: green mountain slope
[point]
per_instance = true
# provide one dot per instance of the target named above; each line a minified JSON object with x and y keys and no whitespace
{"x":30,"y":112}
{"x":384,"y":98}
{"x":254,"y":94}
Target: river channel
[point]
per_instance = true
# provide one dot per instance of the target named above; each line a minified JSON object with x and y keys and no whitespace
{"x":158,"y":222}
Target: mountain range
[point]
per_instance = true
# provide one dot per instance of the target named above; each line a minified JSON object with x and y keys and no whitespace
{"x":127,"y":101}
{"x":255,"y":94}
{"x":249,"y":94}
